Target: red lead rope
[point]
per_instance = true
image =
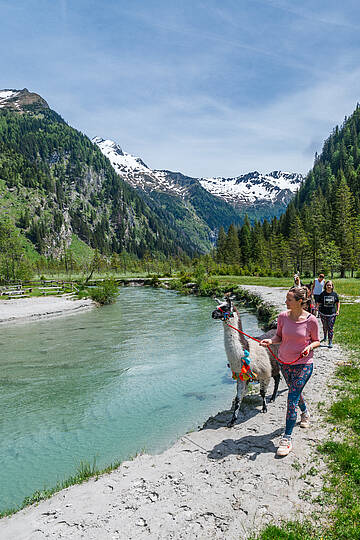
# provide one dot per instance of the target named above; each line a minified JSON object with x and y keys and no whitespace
{"x":268,"y":346}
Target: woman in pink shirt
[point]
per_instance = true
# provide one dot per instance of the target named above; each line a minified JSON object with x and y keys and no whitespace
{"x":298,"y":335}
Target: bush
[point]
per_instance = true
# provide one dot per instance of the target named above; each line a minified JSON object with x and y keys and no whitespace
{"x":105,"y":293}
{"x":155,"y":281}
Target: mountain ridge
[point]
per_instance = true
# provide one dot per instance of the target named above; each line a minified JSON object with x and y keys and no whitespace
{"x":250,"y":193}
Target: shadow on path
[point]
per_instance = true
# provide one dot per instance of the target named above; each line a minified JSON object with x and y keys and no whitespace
{"x":250,"y":407}
{"x":250,"y":444}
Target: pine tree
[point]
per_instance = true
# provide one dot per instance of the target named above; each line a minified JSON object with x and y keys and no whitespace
{"x":245,"y":242}
{"x":232,"y":248}
{"x":344,"y":224}
{"x":298,"y":244}
{"x":221,"y":245}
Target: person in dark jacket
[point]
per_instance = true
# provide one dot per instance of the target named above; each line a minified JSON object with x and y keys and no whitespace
{"x":329,"y":308}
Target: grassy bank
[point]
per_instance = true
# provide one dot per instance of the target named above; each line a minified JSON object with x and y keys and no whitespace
{"x":341,"y":500}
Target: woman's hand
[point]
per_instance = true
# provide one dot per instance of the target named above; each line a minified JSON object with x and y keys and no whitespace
{"x":306,"y":351}
{"x":265,"y":342}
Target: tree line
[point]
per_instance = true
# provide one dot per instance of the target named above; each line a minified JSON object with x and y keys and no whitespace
{"x":320,"y":229}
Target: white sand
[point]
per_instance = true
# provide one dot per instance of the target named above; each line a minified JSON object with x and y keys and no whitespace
{"x":216,"y":483}
{"x":28,"y":309}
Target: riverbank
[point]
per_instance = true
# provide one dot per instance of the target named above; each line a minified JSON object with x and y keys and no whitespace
{"x":214,"y":483}
{"x":22,"y":310}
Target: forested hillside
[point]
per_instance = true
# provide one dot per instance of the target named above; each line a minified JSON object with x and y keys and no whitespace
{"x":54,"y":183}
{"x":320,"y":229}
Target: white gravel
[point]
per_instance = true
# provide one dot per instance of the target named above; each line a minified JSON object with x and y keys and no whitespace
{"x":20,"y":310}
{"x":214,"y":483}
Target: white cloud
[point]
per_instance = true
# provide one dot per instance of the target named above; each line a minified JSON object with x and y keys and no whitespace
{"x":203,"y":137}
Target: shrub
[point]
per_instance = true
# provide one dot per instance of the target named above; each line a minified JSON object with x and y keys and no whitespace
{"x":105,"y":293}
{"x":155,"y":281}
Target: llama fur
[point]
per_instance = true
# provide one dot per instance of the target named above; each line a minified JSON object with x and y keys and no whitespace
{"x":261,"y":360}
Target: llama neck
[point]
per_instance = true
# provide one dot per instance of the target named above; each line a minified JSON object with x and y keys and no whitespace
{"x":234,"y":345}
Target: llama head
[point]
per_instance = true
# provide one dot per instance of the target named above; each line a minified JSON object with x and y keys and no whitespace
{"x":224,"y":310}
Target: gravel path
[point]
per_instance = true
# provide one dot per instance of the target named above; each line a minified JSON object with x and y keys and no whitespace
{"x":215,"y":483}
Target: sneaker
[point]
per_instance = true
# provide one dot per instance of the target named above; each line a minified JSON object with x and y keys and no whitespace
{"x":323,"y":339}
{"x":285,"y":447}
{"x":330,"y":344}
{"x":305,"y":420}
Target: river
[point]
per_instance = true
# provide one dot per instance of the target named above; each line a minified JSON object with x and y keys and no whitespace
{"x":106,"y":384}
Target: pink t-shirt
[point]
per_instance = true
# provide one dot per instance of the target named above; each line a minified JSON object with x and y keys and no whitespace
{"x":295,"y":336}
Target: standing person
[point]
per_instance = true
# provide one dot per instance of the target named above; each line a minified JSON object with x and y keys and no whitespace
{"x":329,"y":307}
{"x":318,"y":287}
{"x":298,"y":335}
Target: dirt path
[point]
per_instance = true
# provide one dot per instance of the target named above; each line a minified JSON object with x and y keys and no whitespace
{"x":215,"y":483}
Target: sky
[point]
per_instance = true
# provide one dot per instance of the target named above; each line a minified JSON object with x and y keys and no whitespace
{"x":205,"y":87}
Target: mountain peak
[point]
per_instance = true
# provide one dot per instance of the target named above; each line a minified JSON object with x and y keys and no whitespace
{"x":21,"y":100}
{"x":255,"y":187}
{"x":120,"y":160}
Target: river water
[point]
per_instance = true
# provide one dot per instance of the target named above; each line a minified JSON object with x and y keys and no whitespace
{"x":106,"y":384}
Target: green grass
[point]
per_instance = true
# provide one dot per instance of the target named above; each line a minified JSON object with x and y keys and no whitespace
{"x":79,"y":249}
{"x":341,"y":513}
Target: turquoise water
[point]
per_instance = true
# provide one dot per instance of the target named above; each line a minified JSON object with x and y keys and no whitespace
{"x":106,"y":384}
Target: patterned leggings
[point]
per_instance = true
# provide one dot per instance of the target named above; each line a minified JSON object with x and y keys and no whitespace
{"x":328,"y":325}
{"x":296,"y":377}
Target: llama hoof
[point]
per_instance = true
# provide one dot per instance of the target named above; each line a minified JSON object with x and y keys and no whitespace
{"x":231,"y":423}
{"x":264,"y":410}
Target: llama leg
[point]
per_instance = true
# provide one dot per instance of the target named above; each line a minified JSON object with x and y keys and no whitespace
{"x":264,"y":383}
{"x":276,"y":386}
{"x":240,"y":392}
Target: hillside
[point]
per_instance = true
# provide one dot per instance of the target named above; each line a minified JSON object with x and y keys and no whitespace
{"x":320,"y":230}
{"x":54,"y":183}
{"x":178,"y":199}
{"x":216,"y":201}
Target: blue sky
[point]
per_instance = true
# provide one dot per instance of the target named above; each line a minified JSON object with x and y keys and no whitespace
{"x":208,"y":88}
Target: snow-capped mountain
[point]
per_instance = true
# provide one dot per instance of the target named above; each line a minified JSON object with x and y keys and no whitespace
{"x":137,"y":173}
{"x":179,"y":200}
{"x":254,"y":188}
{"x":269,"y":192}
{"x":21,"y":100}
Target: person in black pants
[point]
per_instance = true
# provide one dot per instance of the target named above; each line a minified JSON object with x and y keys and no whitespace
{"x":329,"y":307}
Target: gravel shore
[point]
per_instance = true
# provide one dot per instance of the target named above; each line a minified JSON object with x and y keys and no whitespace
{"x":214,"y":483}
{"x":30,"y":309}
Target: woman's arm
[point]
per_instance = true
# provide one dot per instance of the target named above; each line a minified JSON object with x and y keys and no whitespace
{"x":337,"y":308}
{"x":268,"y":341}
{"x":311,"y":347}
{"x":314,"y":337}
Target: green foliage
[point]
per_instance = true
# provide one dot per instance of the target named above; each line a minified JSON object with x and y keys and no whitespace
{"x":48,"y":166}
{"x":320,"y":227}
{"x":291,"y":530}
{"x":105,"y":293}
{"x":14,"y":265}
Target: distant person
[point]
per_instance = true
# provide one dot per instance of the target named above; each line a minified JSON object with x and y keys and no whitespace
{"x":317,"y":288}
{"x":329,"y":308}
{"x":298,"y":335}
{"x":310,"y":306}
{"x":297,"y":281}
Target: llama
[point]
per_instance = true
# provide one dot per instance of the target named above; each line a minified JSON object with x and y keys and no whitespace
{"x":261,"y":360}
